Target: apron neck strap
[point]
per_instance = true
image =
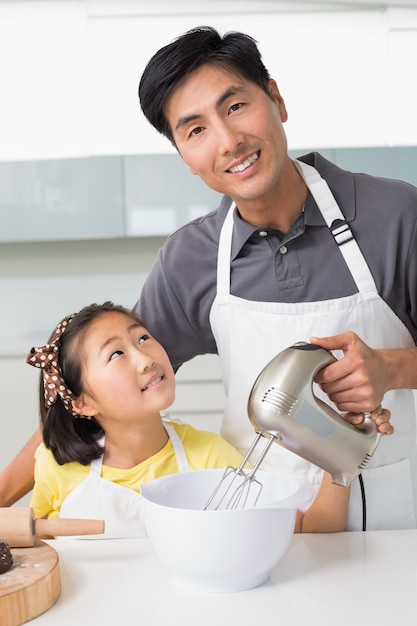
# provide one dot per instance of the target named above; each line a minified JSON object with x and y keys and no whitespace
{"x":179,"y":449}
{"x":180,"y":454}
{"x":224,"y":254}
{"x":338,"y":226}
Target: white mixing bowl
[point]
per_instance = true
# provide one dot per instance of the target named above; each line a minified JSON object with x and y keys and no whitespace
{"x":219,"y":550}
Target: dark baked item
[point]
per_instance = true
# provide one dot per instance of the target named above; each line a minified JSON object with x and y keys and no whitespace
{"x":6,"y":558}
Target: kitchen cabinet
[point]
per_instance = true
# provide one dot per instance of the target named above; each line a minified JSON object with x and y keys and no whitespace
{"x":398,"y":163}
{"x":61,"y":199}
{"x":99,"y":198}
{"x":144,"y":195}
{"x":161,"y":194}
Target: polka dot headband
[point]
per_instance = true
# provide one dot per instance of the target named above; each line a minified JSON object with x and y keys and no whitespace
{"x":46,"y":358}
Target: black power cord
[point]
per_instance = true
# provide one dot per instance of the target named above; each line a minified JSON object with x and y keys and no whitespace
{"x":362,"y":486}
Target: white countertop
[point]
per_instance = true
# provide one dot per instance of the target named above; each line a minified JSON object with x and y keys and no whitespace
{"x":344,"y":579}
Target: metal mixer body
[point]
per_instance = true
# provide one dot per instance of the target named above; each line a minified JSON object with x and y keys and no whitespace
{"x":282,"y":405}
{"x":283,"y":408}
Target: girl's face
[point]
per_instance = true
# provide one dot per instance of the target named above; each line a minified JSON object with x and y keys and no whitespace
{"x":127,"y":375}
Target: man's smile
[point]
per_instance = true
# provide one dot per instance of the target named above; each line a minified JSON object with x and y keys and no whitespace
{"x":245,"y":164}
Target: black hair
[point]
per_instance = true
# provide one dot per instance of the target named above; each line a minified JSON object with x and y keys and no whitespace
{"x":199,"y":46}
{"x":74,"y":438}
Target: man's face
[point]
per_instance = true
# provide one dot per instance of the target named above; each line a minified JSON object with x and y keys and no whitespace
{"x":229,"y":132}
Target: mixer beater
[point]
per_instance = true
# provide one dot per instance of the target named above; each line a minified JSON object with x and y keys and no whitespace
{"x":236,"y":488}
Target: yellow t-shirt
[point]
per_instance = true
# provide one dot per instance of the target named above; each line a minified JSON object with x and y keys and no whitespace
{"x":54,"y":482}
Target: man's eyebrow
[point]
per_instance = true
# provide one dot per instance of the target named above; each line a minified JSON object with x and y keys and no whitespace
{"x":230,"y":91}
{"x":183,"y":121}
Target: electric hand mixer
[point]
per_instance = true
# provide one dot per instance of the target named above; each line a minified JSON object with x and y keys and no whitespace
{"x":283,"y":408}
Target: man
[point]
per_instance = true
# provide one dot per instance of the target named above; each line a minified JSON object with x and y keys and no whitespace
{"x":282,"y":259}
{"x":297,"y":254}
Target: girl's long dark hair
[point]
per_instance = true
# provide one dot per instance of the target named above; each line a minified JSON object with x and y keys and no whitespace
{"x":74,"y":438}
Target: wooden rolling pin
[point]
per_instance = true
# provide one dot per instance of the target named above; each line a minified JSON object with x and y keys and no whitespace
{"x":19,"y":528}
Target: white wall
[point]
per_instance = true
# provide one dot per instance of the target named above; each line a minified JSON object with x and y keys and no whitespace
{"x":69,"y":87}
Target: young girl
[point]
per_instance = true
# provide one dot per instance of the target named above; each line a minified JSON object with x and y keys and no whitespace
{"x":104,"y":382}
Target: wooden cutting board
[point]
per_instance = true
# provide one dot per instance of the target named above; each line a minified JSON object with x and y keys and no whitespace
{"x":31,"y":586}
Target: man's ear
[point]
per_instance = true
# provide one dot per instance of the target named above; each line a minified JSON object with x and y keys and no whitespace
{"x":274,"y":91}
{"x":84,"y":405}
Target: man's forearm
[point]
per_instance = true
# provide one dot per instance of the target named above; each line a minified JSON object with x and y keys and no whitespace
{"x":401,"y":365}
{"x":16,"y":480}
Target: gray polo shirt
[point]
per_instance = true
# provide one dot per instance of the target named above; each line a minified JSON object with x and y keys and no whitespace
{"x":302,"y":265}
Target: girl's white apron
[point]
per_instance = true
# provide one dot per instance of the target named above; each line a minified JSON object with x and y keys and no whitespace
{"x":249,"y":334}
{"x":120,"y":507}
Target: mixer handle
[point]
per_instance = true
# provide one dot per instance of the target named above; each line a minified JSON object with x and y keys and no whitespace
{"x":367,"y":426}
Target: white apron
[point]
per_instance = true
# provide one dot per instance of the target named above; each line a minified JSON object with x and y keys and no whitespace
{"x":249,"y":334}
{"x":120,"y":507}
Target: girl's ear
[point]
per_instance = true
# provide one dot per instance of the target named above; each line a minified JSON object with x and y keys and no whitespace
{"x":83,"y":405}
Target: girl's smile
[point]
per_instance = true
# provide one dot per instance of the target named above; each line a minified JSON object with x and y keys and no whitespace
{"x":153,"y":381}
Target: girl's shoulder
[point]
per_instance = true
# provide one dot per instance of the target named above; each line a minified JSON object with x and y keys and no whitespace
{"x":188,"y":431}
{"x":44,"y":456}
{"x":206,"y":449}
{"x":46,"y":462}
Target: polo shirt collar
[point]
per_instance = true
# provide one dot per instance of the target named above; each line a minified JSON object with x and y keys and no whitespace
{"x":341,"y":184}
